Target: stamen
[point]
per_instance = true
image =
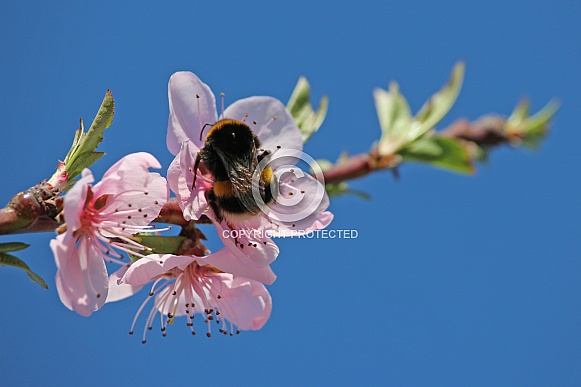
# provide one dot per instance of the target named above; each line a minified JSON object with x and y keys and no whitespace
{"x":266,"y":125}
{"x":199,"y":112}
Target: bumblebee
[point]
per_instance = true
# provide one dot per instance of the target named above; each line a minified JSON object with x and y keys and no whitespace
{"x":231,"y":154}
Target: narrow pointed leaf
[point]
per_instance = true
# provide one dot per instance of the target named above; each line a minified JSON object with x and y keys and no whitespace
{"x":531,"y":130}
{"x":162,"y":244}
{"x":441,"y":102}
{"x":82,"y":153}
{"x":12,"y":246}
{"x":10,"y":260}
{"x":398,"y":127}
{"x":441,"y":152}
{"x":308,"y":120}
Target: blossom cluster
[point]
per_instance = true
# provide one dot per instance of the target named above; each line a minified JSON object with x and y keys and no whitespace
{"x":104,"y":222}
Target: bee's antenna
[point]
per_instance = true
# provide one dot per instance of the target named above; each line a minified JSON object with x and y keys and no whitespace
{"x":222,"y":97}
{"x":202,"y":131}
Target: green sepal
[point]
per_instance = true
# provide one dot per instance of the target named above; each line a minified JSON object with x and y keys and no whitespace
{"x":307,"y":119}
{"x":161,"y":244}
{"x":82,"y":153}
{"x":10,"y":260}
{"x":441,"y":152}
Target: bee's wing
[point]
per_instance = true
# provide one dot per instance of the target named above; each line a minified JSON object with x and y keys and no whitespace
{"x":240,"y":171}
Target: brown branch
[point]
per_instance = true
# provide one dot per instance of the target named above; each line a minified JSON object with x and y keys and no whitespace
{"x":33,"y":210}
{"x":486,"y":132}
{"x":37,"y":209}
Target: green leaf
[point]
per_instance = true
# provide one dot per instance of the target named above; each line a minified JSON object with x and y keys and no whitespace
{"x":398,"y":127}
{"x":531,"y":130}
{"x":341,"y":188}
{"x":441,"y":102}
{"x":12,"y":246}
{"x":82,"y":153}
{"x":395,"y":118}
{"x":161,"y":244}
{"x":442,"y":152}
{"x":308,"y":120}
{"x":82,"y":161}
{"x":10,"y":260}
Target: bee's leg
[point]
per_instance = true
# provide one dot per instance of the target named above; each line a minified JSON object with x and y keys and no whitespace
{"x":195,"y":170}
{"x":218,"y":215}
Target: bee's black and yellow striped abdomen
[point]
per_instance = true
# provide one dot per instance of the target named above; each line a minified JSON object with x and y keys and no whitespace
{"x":230,"y":154}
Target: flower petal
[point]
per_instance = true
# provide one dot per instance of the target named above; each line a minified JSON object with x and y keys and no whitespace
{"x":245,"y":302}
{"x":283,"y":131}
{"x":247,"y":242}
{"x":74,"y":202}
{"x":152,"y":266}
{"x":119,"y":291}
{"x":136,"y":195}
{"x":180,"y":178}
{"x":300,"y":205}
{"x":130,"y":171}
{"x":226,"y":261}
{"x":81,"y":278}
{"x":187,"y":112}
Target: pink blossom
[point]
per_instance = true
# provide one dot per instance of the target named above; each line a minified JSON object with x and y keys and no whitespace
{"x":192,"y":106}
{"x":188,"y":286}
{"x":100,"y":219}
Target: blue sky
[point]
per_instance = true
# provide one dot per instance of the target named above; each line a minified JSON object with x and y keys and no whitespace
{"x":453,"y":280}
